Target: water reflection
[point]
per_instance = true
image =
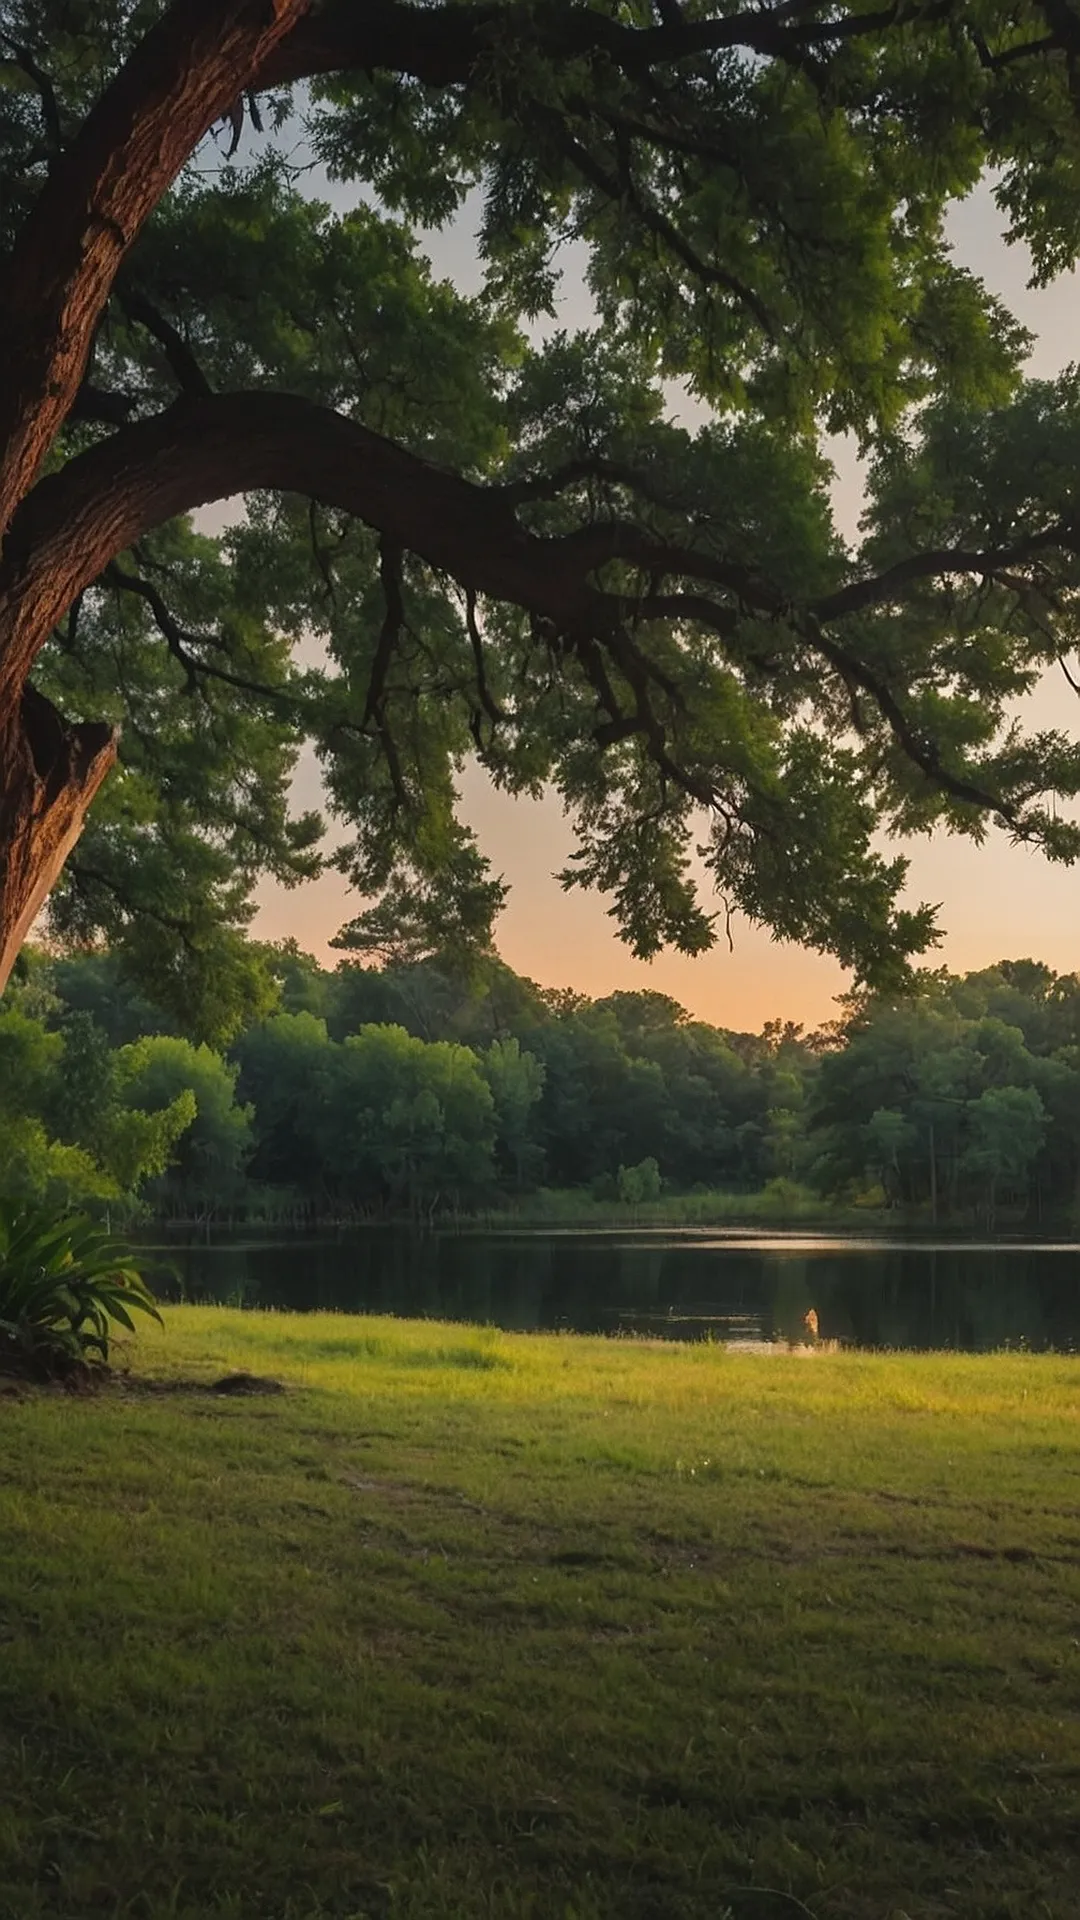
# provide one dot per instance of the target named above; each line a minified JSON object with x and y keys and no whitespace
{"x":685,"y":1286}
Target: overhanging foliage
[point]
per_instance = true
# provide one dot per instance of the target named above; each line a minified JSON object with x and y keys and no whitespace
{"x":460,"y":542}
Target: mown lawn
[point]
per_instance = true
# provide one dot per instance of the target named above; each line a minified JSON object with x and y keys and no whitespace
{"x":472,"y":1624}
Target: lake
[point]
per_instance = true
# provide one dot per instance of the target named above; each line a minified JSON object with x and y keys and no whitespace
{"x":722,"y":1283}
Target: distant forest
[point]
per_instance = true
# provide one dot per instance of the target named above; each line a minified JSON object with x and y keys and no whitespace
{"x":414,"y":1090}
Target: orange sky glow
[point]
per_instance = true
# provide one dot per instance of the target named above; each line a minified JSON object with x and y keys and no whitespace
{"x":996,"y":901}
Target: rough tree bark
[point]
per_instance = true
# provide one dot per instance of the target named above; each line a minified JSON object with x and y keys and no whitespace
{"x":182,"y":77}
{"x":52,"y":773}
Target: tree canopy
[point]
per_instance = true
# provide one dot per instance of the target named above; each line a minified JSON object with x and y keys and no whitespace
{"x":461,"y":537}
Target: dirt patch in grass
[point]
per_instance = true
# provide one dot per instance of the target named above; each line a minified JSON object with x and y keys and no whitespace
{"x":245,"y":1383}
{"x":230,"y":1385}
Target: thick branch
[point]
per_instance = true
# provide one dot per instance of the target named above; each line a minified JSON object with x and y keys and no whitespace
{"x":180,"y":79}
{"x":77,"y":520}
{"x":441,"y":46}
{"x":103,"y":406}
{"x":202,"y":450}
{"x":188,"y":373}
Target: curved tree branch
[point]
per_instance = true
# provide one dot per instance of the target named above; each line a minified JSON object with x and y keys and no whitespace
{"x":990,"y":563}
{"x":181,"y":78}
{"x":201,"y":450}
{"x":23,"y":58}
{"x":204,"y":449}
{"x":180,"y":641}
{"x":442,"y":46}
{"x":186,"y":370}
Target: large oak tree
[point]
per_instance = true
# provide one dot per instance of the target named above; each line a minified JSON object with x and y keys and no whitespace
{"x":457,"y":540}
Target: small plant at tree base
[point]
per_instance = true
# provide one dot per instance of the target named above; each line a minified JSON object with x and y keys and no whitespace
{"x":64,"y":1281}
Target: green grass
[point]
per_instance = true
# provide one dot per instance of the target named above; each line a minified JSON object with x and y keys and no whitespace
{"x":781,"y":1203}
{"x":477,"y":1624}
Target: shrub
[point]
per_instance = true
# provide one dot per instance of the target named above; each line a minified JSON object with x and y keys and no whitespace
{"x":640,"y":1184}
{"x":63,"y":1282}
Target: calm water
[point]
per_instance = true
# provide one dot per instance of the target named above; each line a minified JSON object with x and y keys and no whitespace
{"x":728,"y":1284}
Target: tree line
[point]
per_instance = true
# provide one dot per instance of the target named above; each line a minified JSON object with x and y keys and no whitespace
{"x":414,"y":1089}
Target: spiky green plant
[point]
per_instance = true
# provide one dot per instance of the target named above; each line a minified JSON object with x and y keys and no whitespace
{"x":64,"y":1281}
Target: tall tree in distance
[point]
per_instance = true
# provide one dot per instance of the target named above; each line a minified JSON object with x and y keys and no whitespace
{"x":505,"y":550}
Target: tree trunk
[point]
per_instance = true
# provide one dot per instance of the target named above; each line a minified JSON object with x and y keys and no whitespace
{"x":51,"y":773}
{"x":184,"y":75}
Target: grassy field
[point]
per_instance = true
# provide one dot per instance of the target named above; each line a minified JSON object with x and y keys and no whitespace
{"x":473,"y":1624}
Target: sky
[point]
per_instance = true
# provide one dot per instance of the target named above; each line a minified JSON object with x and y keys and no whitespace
{"x":996,"y":901}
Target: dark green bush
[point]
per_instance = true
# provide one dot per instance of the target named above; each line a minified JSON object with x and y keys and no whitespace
{"x":64,"y":1282}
